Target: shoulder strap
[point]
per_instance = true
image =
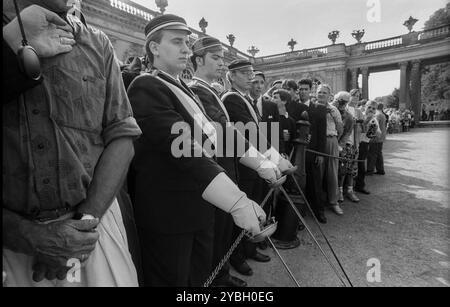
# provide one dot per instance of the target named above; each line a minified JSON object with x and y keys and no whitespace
{"x":247,"y":103}
{"x":219,"y":101}
{"x":194,"y":111}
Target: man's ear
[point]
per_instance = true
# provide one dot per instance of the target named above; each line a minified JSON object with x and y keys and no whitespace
{"x":200,"y":61}
{"x":154,"y":48}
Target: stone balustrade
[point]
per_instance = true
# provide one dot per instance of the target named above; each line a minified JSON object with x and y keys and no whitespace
{"x":435,"y":32}
{"x":384,"y":43}
{"x":300,"y":54}
{"x":131,"y":9}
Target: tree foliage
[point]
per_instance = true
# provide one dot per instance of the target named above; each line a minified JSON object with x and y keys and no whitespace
{"x":439,"y":18}
{"x":436,"y":78}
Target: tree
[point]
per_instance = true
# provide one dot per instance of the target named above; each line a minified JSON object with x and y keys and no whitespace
{"x":439,"y":18}
{"x":436,"y":78}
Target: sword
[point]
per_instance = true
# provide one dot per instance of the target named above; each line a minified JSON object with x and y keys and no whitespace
{"x":311,"y":234}
{"x":318,"y":225}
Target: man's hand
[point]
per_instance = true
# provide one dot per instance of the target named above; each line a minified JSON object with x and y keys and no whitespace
{"x":45,"y":31}
{"x":65,"y":239}
{"x":248,"y":215}
{"x":284,"y":165}
{"x":53,"y":267}
{"x":269,"y":171}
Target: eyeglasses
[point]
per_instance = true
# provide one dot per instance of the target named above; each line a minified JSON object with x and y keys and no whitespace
{"x":342,"y":101}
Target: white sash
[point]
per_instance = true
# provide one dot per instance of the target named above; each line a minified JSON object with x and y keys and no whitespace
{"x":247,"y":103}
{"x":194,"y":110}
{"x":219,"y":101}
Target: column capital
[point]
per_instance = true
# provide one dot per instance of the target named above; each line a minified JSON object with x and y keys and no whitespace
{"x":365,"y":70}
{"x":403,"y":64}
{"x":416,"y":63}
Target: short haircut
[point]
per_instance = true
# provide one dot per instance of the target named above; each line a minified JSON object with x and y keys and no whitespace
{"x":355,"y":91}
{"x":202,"y":55}
{"x":325,"y":86}
{"x":289,"y":84}
{"x":305,"y":82}
{"x":380,"y":106}
{"x":372,"y":103}
{"x":261,"y":74}
{"x":194,"y":60}
{"x":284,"y":95}
{"x":277,"y":82}
{"x":155,"y":37}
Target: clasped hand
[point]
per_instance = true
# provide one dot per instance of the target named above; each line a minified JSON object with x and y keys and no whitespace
{"x":57,"y":242}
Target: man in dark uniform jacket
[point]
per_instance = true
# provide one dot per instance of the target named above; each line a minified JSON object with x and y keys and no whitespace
{"x":176,"y":181}
{"x":266,"y":109}
{"x":317,"y":118}
{"x":238,"y":105}
{"x":207,"y":60}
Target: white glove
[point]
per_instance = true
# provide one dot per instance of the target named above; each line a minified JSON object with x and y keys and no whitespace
{"x":223,"y":193}
{"x":248,"y":215}
{"x":265,"y":168}
{"x":282,"y":163}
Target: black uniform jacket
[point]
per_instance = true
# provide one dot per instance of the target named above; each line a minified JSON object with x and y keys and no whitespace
{"x":317,"y":115}
{"x":166,"y":190}
{"x":270,"y":114}
{"x":209,"y":98}
{"x":239,"y":112}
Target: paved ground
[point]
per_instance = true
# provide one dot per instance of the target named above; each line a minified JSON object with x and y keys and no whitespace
{"x":404,"y":223}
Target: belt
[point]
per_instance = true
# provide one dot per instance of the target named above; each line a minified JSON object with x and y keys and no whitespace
{"x":330,"y":136}
{"x":53,"y":214}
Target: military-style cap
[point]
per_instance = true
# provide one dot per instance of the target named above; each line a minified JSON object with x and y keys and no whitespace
{"x":204,"y":44}
{"x":166,"y":22}
{"x":239,"y":64}
{"x":261,"y":74}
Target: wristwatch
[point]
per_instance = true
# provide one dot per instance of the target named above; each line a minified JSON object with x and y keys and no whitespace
{"x":83,"y":216}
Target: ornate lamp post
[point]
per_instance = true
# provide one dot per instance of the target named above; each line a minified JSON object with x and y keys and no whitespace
{"x":333,"y":35}
{"x":203,"y":24}
{"x":358,"y":35}
{"x":410,"y":23}
{"x":253,"y":50}
{"x":231,"y":38}
{"x":161,"y":4}
{"x":291,"y":44}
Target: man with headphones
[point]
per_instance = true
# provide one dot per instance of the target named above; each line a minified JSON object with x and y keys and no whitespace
{"x":47,"y":33}
{"x":66,"y":148}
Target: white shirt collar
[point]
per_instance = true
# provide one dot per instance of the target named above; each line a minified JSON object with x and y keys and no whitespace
{"x":306,"y":103}
{"x":200,"y":79}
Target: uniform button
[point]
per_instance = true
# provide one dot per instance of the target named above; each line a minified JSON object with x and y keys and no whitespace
{"x":46,"y":181}
{"x":36,"y":111}
{"x":85,"y":78}
{"x":41,"y":146}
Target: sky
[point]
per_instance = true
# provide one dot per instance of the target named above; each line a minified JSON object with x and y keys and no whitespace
{"x":270,"y":24}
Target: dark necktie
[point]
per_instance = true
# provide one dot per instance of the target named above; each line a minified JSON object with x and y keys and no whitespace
{"x":254,"y":103}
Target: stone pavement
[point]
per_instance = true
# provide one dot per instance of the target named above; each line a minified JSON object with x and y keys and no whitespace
{"x":404,"y":223}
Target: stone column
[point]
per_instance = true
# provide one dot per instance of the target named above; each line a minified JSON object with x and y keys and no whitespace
{"x":365,"y":82}
{"x":416,"y":89}
{"x":403,"y":84}
{"x":354,"y":82}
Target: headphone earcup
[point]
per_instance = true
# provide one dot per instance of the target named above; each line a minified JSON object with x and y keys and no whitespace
{"x":29,"y":62}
